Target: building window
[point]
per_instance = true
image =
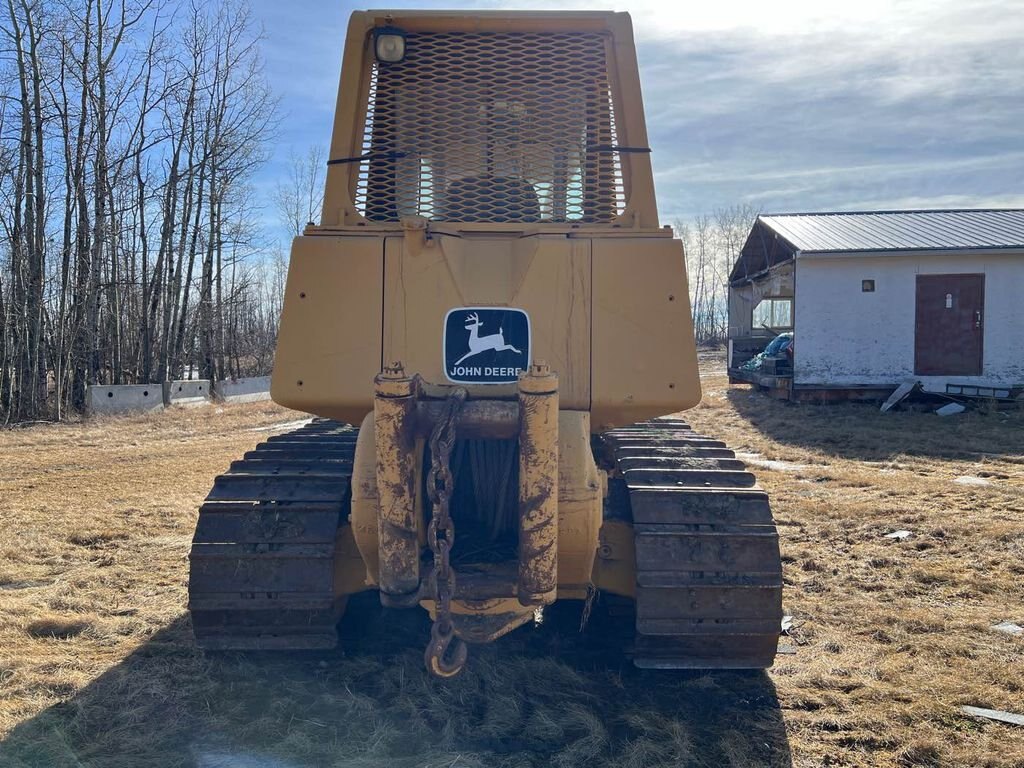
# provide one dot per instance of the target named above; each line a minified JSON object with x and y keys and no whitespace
{"x":776,"y":314}
{"x":867,"y":286}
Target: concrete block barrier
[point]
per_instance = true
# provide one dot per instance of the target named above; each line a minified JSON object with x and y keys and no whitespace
{"x":248,"y":390}
{"x":123,"y":398}
{"x":187,"y":393}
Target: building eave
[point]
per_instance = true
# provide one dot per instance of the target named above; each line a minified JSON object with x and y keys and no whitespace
{"x":748,"y":279}
{"x":884,"y":252}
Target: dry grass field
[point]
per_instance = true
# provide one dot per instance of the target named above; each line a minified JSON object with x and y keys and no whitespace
{"x":97,"y":667}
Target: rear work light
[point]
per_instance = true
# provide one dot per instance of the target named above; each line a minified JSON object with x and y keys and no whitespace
{"x":389,"y":44}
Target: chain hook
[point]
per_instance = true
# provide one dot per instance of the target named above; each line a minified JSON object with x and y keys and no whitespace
{"x":446,"y":654}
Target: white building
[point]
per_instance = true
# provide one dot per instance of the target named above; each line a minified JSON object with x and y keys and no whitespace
{"x":876,"y":299}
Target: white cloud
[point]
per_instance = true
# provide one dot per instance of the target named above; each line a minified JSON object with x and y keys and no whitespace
{"x":794,"y":104}
{"x":937,"y":201}
{"x":667,"y":18}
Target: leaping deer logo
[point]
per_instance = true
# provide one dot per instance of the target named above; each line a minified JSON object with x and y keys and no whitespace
{"x":479,"y":344}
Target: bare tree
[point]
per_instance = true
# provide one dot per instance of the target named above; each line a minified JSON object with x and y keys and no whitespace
{"x":300,"y":198}
{"x":713,"y":242}
{"x":129,"y":131}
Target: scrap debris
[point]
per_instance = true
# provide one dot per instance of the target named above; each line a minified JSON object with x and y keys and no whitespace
{"x":960,"y":396}
{"x":787,"y":626}
{"x":789,"y":630}
{"x":994,"y":714}
{"x":1006,"y":626}
{"x":900,"y":393}
{"x":899,"y":535}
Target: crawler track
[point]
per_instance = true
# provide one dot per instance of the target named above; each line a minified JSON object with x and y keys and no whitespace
{"x":708,"y":571}
{"x":262,"y":560}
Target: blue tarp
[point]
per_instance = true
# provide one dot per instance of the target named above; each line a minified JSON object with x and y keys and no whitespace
{"x":776,"y":347}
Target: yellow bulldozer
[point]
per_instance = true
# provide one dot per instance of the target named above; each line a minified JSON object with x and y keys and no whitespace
{"x":490,"y":324}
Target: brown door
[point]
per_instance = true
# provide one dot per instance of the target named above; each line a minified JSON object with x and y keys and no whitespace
{"x":949,"y":326}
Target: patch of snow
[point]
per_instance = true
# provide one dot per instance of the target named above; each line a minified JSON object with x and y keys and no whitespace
{"x":970,"y":480}
{"x":773,"y":464}
{"x":280,"y":427}
{"x":899,"y":535}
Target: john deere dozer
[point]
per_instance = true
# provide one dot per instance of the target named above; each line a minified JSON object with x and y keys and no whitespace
{"x":491,"y":326}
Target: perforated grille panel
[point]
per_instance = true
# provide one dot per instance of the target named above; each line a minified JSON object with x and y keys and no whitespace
{"x":492,"y":127}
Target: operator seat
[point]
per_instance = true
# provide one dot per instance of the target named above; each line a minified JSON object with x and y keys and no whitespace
{"x":496,"y":199}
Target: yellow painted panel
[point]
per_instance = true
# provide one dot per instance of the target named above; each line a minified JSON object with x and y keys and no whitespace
{"x":615,"y":565}
{"x":353,"y":94}
{"x":547,"y":276}
{"x":328,"y":346}
{"x":644,"y":359}
{"x":579,"y":503}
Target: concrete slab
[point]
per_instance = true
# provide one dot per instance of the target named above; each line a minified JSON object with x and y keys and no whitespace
{"x":247,"y":390}
{"x":187,"y":393}
{"x":123,"y":398}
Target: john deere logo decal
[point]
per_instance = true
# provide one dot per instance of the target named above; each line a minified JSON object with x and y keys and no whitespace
{"x":486,"y":345}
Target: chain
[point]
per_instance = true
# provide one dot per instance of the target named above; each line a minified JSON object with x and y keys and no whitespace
{"x":588,"y":606}
{"x":441,"y":539}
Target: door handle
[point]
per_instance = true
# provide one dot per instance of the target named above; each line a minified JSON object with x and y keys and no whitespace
{"x":977,"y":318}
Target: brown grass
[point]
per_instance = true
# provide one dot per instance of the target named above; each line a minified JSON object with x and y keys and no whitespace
{"x":97,"y":667}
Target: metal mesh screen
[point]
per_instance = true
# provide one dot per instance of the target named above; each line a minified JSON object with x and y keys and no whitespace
{"x":492,"y":127}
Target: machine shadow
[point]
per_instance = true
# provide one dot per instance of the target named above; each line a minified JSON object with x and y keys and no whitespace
{"x":861,"y":431}
{"x":542,"y":696}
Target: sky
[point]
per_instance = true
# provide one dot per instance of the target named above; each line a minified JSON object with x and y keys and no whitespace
{"x":784,"y":105}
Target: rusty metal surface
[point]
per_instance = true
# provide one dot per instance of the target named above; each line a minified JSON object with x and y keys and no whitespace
{"x":489,"y":419}
{"x":446,"y":654}
{"x":488,"y":627}
{"x":708,"y":570}
{"x":495,"y":581}
{"x":538,"y":486}
{"x":398,"y":538}
{"x":263,"y":554}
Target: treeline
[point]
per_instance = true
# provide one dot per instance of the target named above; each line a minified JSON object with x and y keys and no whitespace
{"x":130,"y":249}
{"x":712,"y":243}
{"x":130,"y":131}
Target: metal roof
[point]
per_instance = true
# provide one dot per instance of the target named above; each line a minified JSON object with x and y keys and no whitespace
{"x":965,"y":229}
